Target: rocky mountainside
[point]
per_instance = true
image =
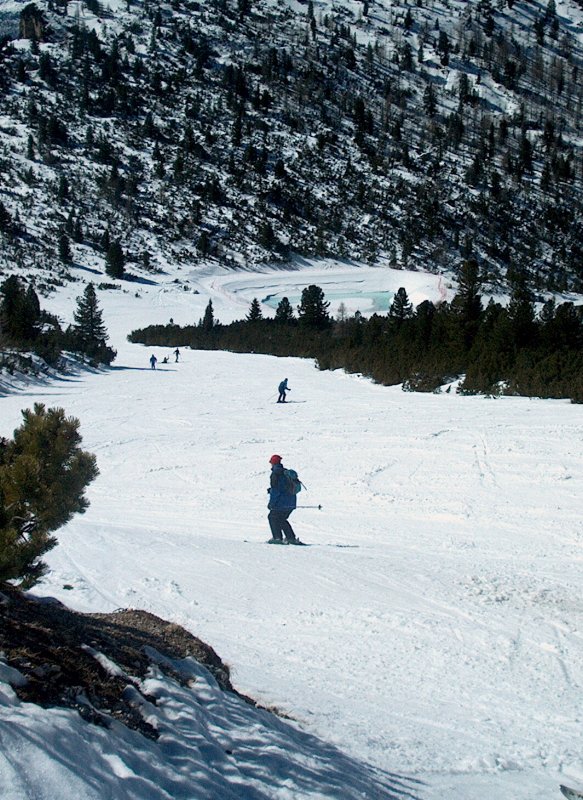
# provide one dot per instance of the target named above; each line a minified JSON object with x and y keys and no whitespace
{"x":139,"y":136}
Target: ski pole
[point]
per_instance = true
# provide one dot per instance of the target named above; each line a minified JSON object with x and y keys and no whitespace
{"x":318,"y":507}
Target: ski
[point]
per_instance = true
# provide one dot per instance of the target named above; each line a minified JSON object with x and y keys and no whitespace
{"x":278,"y":544}
{"x":572,"y":794}
{"x":297,"y":543}
{"x":308,"y":544}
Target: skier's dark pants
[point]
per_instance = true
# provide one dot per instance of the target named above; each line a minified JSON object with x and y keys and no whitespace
{"x":281,"y":398}
{"x":279,"y":525}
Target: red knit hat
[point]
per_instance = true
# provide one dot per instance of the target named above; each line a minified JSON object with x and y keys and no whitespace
{"x":275,"y":459}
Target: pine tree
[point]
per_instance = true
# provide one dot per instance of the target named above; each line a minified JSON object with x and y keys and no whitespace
{"x":244,"y":8}
{"x":443,"y":48}
{"x":204,"y":243}
{"x":313,"y":309}
{"x":467,"y":304}
{"x":284,"y":311}
{"x":115,"y":260}
{"x":266,"y":236}
{"x":521,"y":312}
{"x":525,"y":154}
{"x":32,"y":312}
{"x":65,"y":254}
{"x":406,"y":58}
{"x":89,"y":332}
{"x":279,"y":170}
{"x":78,"y":231}
{"x":5,"y":220}
{"x":255,"y":312}
{"x":63,"y":191}
{"x":105,"y":240}
{"x":19,"y":311}
{"x":208,"y":321}
{"x":401,"y":307}
{"x":429,"y":101}
{"x":43,"y":476}
{"x":46,"y":70}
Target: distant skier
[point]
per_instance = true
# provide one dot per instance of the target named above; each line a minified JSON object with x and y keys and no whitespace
{"x":153,"y":361}
{"x":282,"y":389}
{"x":165,"y":360}
{"x":177,"y":355}
{"x":282,"y":502}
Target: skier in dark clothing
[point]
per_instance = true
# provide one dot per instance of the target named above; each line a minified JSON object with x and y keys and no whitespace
{"x":153,"y":361}
{"x":281,"y":504}
{"x":177,"y":355}
{"x":282,"y":389}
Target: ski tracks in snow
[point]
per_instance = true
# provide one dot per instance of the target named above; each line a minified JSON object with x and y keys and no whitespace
{"x":482,"y":456}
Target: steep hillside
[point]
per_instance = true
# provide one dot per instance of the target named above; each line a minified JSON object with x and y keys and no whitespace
{"x":143,"y":136}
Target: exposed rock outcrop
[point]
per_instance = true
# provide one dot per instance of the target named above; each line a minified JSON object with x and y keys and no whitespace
{"x":33,"y":24}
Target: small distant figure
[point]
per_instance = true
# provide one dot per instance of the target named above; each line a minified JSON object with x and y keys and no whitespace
{"x":283,"y":388}
{"x":153,"y":361}
{"x":282,"y":501}
{"x":165,"y":360}
{"x":177,"y":355}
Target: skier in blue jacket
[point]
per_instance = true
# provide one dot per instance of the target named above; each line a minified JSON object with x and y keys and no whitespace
{"x":281,"y":504}
{"x":282,"y":389}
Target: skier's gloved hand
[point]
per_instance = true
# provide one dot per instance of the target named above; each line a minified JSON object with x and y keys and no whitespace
{"x":269,"y":491}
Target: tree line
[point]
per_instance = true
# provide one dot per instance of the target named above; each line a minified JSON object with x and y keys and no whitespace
{"x":24,"y":326}
{"x":518,"y":348}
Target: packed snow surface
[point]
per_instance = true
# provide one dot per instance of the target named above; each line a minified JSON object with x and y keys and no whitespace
{"x":429,"y":644}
